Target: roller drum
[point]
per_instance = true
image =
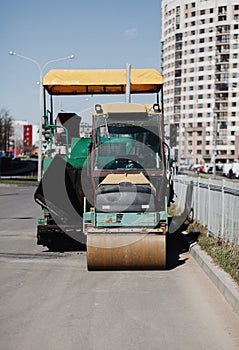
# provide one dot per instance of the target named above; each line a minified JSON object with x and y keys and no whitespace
{"x":126,"y":251}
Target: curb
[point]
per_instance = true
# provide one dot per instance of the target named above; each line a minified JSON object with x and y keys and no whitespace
{"x":221,"y":279}
{"x":17,"y":185}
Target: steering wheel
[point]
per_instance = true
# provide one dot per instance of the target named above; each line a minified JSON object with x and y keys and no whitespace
{"x":123,"y":163}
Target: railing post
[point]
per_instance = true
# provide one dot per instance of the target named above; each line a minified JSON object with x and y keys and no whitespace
{"x":223,"y":209}
{"x":209,"y":209}
{"x":198,"y":206}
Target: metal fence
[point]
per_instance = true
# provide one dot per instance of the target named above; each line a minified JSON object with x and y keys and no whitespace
{"x":215,"y":204}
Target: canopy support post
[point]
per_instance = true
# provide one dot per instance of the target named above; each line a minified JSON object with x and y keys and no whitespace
{"x":127,"y":90}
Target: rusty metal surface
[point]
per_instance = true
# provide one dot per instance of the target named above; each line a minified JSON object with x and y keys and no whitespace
{"x":126,"y":251}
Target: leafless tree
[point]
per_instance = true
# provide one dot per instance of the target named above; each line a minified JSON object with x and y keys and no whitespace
{"x":6,"y":129}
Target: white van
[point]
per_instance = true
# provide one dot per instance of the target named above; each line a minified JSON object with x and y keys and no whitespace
{"x":235,"y":169}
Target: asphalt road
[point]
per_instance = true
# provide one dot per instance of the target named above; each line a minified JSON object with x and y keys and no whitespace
{"x":50,"y":301}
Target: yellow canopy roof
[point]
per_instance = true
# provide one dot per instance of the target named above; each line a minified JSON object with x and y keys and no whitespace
{"x":101,"y":81}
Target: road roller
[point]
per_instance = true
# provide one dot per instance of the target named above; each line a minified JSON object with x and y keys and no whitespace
{"x":107,"y":192}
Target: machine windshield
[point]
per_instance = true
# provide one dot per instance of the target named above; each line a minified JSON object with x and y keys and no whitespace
{"x":125,"y":145}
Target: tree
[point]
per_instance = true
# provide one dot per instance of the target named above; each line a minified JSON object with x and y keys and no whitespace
{"x":6,"y":129}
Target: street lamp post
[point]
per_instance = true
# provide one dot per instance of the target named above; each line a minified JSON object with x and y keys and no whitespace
{"x":41,"y":69}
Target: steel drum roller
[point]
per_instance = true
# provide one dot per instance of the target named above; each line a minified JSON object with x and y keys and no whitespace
{"x":126,"y":251}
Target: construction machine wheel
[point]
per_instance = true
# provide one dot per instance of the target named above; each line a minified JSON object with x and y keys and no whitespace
{"x":126,"y":251}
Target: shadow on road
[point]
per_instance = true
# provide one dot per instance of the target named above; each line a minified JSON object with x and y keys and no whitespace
{"x":177,"y":243}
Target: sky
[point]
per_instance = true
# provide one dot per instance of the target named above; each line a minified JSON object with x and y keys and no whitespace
{"x":100,"y":33}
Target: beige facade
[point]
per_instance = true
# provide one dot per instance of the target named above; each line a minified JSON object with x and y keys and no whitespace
{"x":200,"y":52}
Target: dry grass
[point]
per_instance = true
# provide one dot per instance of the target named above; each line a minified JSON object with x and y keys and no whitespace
{"x":223,"y":253}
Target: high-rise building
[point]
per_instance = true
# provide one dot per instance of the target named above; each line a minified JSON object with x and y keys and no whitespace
{"x":25,"y":136}
{"x":200,"y":63}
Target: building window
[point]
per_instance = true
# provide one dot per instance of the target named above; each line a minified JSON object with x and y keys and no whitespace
{"x":222,"y":10}
{"x":202,"y":12}
{"x":222,"y":18}
{"x":201,"y":49}
{"x":201,"y":40}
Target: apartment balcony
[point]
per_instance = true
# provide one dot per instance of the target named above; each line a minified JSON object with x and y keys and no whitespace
{"x":222,"y":87}
{"x":223,"y":29}
{"x":176,"y":118}
{"x":221,"y":97}
{"x":222,"y":48}
{"x":221,"y":107}
{"x":223,"y":39}
{"x":222,"y":58}
{"x":194,"y":128}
